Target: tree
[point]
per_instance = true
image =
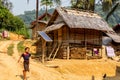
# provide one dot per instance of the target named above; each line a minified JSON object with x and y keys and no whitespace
{"x":112,"y":10}
{"x":50,"y":3}
{"x":46,"y":3}
{"x":90,"y":4}
{"x":83,"y":4}
{"x":6,"y":4}
{"x":108,"y":6}
{"x":10,"y":22}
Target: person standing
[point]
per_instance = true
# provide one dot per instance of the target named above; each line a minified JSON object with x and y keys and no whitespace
{"x":26,"y":57}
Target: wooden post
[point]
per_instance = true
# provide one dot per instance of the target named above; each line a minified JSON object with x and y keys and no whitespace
{"x":37,"y":8}
{"x":59,"y":36}
{"x":101,"y":43}
{"x":43,"y":50}
{"x":68,"y":52}
{"x":68,"y":48}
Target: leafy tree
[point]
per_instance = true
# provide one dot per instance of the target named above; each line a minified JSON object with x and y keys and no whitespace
{"x":108,"y":6}
{"x":112,"y":10}
{"x":83,"y":4}
{"x":10,"y":22}
{"x":49,"y":3}
{"x":6,"y":4}
{"x":4,"y":16}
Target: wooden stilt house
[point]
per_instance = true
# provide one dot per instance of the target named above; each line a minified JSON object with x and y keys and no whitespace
{"x":75,"y":33}
{"x":40,"y":24}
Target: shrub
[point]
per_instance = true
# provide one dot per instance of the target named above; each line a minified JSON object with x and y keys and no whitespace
{"x":20,"y":46}
{"x":10,"y":49}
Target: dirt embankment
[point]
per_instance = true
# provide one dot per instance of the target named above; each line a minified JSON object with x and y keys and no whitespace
{"x":14,"y":36}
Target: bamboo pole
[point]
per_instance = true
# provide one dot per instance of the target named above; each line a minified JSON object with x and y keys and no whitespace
{"x":68,"y":52}
{"x":56,"y":51}
{"x":43,"y":50}
{"x":68,"y":48}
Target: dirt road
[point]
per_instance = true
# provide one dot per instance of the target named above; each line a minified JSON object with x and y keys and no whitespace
{"x":66,"y":70}
{"x":11,"y":70}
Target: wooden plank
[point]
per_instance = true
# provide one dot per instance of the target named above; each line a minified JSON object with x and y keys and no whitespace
{"x":52,"y":51}
{"x":43,"y":50}
{"x":68,"y":52}
{"x":59,"y":35}
{"x":68,"y":38}
{"x":56,"y":51}
{"x":55,"y":36}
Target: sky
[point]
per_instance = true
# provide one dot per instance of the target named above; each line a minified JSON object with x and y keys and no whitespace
{"x":19,"y":6}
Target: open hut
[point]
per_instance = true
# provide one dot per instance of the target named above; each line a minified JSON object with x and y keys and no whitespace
{"x":40,"y":24}
{"x":75,"y":34}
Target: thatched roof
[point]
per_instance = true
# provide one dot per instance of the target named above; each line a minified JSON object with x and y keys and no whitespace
{"x":114,"y":36}
{"x":43,"y":15}
{"x":40,"y":20}
{"x":54,"y":27}
{"x":33,"y":24}
{"x":80,"y":19}
{"x":116,"y":27}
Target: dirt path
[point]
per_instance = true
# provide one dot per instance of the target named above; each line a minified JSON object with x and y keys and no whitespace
{"x":7,"y":63}
{"x":67,"y":70}
{"x":11,"y":70}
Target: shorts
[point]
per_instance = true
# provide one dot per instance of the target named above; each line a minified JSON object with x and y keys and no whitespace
{"x":26,"y":65}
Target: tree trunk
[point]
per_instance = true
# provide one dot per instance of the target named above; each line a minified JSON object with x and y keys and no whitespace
{"x":37,"y":7}
{"x":46,"y":12}
{"x":112,"y":11}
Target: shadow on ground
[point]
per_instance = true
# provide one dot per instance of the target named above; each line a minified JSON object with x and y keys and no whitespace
{"x":21,"y":76}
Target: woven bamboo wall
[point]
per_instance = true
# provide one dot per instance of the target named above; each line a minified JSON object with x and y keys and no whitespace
{"x":77,"y":39}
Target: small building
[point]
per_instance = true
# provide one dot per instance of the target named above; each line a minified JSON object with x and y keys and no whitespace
{"x":40,"y":24}
{"x":75,"y":33}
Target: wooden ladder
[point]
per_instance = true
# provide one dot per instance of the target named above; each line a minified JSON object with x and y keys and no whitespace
{"x":56,"y":51}
{"x":55,"y":45}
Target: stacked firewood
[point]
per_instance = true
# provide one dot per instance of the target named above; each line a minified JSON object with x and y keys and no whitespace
{"x":79,"y":53}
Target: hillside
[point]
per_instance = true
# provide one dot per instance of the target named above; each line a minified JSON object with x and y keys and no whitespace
{"x":113,"y":19}
{"x":29,"y":16}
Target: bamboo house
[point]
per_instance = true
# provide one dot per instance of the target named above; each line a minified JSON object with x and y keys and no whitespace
{"x":75,"y":34}
{"x":39,"y":25}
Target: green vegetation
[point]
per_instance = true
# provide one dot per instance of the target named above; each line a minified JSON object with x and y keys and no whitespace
{"x":10,"y":49}
{"x":20,"y":46}
{"x":20,"y":24}
{"x":10,"y":22}
{"x":29,"y":16}
{"x":7,"y":4}
{"x":113,"y":19}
